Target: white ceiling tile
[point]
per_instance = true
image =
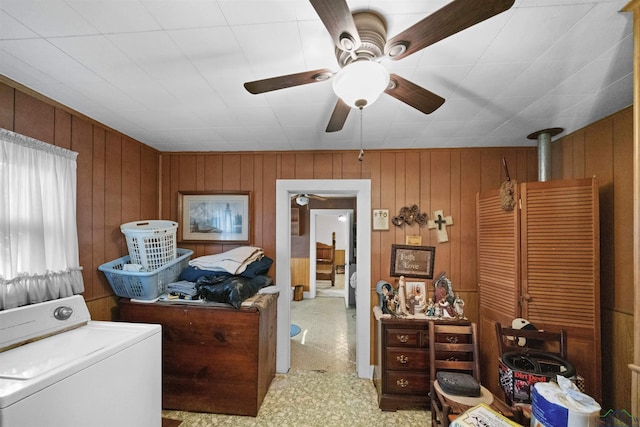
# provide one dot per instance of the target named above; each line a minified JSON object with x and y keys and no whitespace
{"x":530,"y":31}
{"x":175,"y":14}
{"x":42,"y":55}
{"x":48,"y":18}
{"x":115,"y":16}
{"x":10,"y":28}
{"x":246,"y":12}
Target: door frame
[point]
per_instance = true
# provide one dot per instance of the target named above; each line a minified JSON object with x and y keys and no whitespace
{"x":361,"y":190}
{"x":313,"y":214}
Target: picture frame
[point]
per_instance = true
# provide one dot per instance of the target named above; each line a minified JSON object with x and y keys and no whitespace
{"x":412,"y":261}
{"x":416,"y":291}
{"x":380,"y":220}
{"x":214,"y":216}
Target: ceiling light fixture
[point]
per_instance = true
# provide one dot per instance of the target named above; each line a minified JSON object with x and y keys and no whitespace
{"x":302,"y":200}
{"x":360,"y":83}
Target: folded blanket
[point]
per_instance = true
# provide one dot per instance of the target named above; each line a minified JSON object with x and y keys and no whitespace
{"x":260,"y":266}
{"x":183,"y":287}
{"x":234,"y":261}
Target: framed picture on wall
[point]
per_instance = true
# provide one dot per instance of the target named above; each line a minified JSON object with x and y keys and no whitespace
{"x":210,"y":217}
{"x":380,"y":219}
{"x":412,"y":261}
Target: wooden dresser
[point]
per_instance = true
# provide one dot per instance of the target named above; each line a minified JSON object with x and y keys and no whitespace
{"x":401,"y":375}
{"x":214,"y":359}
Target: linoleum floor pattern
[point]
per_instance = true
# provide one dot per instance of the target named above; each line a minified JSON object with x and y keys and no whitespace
{"x":327,"y":338}
{"x":322,"y":387}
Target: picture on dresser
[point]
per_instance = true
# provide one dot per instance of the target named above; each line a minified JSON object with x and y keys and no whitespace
{"x":416,"y":296}
{"x":412,"y":261}
{"x":205,"y":216}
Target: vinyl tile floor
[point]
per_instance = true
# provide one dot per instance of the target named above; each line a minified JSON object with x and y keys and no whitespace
{"x":322,"y":387}
{"x":327,"y":338}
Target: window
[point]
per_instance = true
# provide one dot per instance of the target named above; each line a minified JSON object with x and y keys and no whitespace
{"x":38,"y":233}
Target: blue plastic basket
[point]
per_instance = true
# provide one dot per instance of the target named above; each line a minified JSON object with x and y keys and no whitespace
{"x":145,"y":284}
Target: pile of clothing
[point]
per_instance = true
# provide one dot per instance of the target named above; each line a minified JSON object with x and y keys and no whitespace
{"x":229,"y":277}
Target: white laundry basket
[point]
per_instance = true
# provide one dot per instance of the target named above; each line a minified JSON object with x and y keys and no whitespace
{"x":151,"y":243}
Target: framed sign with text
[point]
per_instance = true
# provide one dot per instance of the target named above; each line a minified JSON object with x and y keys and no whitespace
{"x":412,"y":261}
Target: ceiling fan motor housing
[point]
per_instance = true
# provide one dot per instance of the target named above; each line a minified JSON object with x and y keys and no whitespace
{"x":373,"y":37}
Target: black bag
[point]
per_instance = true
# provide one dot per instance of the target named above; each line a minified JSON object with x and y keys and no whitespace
{"x":458,"y":383}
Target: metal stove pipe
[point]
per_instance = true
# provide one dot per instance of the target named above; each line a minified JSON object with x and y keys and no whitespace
{"x":544,"y":151}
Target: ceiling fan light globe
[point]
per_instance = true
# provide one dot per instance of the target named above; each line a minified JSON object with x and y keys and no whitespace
{"x":302,"y":200}
{"x":361,"y":80}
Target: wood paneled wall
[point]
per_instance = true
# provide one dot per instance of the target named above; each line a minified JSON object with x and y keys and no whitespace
{"x":605,"y":149}
{"x":121,"y":180}
{"x":446,"y":179}
{"x":117,"y":180}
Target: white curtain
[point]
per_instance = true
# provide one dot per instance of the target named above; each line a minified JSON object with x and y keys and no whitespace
{"x":38,"y":233}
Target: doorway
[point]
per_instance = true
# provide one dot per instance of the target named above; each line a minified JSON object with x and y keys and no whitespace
{"x":322,"y":223}
{"x":361,"y":190}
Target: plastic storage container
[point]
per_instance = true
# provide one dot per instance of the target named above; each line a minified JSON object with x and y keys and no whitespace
{"x":151,"y":243}
{"x":145,"y":284}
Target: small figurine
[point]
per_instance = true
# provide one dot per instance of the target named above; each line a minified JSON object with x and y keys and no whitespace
{"x":402,"y":298}
{"x":431,"y":308}
{"x":437,"y":310}
{"x":387,"y":298}
{"x":445,"y":308}
{"x":458,"y":306}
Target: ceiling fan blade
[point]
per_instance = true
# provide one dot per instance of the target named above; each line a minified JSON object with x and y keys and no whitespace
{"x":414,"y":95}
{"x":290,"y":80}
{"x":337,"y":18}
{"x":338,"y":117}
{"x":450,"y":19}
{"x":315,"y":196}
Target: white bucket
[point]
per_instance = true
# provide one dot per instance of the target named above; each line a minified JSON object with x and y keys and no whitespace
{"x":562,"y":405}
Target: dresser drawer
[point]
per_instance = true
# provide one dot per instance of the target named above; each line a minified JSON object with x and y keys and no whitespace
{"x":407,"y":358}
{"x":398,"y":382}
{"x":406,"y":338}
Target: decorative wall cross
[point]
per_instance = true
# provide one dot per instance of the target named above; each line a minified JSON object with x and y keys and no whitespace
{"x":440,"y":223}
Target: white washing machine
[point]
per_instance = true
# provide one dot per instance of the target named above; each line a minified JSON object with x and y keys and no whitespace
{"x":59,"y":368}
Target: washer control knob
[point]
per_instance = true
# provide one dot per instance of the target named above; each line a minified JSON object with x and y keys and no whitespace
{"x":63,"y":312}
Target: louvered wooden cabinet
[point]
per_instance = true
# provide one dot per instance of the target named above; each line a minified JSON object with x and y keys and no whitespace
{"x":541,"y":262}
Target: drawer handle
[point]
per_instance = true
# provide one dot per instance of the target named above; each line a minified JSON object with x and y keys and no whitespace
{"x":403,"y":338}
{"x":402,"y":359}
{"x":452,"y":340}
{"x":402,"y":383}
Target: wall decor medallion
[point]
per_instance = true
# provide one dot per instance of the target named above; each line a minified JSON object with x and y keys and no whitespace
{"x":409,"y":216}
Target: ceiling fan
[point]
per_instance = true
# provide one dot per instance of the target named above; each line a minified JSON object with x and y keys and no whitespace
{"x":303,"y":199}
{"x":361,"y":44}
